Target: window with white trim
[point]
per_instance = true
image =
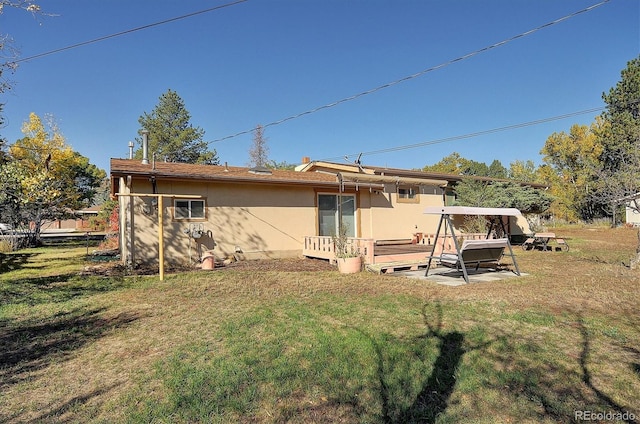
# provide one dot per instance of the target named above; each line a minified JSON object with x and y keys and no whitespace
{"x":188,"y":209}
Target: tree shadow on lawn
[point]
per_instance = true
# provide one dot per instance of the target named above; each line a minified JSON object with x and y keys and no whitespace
{"x":35,"y":344}
{"x":14,"y":261}
{"x":558,"y":391}
{"x":551,"y":389}
{"x":440,"y":374}
{"x":55,"y":288}
{"x":433,"y":398}
{"x":587,"y":379}
{"x":632,"y":351}
{"x":53,"y":413}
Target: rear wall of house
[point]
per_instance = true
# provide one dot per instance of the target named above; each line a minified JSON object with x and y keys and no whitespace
{"x":384,"y":216}
{"x":249,"y":221}
{"x":258,"y":221}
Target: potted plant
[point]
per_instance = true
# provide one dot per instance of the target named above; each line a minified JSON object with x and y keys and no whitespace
{"x":347,"y":255}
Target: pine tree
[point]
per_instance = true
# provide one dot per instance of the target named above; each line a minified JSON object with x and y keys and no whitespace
{"x":619,"y":174}
{"x":619,"y":179}
{"x":171,"y":136}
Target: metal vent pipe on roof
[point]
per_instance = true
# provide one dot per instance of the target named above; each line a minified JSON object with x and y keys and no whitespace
{"x":145,"y":147}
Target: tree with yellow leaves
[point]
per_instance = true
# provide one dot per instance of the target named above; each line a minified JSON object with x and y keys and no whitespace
{"x":44,"y":178}
{"x":571,"y":164}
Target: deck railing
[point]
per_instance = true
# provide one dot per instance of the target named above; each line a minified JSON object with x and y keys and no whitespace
{"x":323,"y":246}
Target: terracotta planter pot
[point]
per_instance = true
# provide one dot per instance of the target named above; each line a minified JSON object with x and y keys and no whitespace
{"x":349,"y":265}
{"x":208,"y":261}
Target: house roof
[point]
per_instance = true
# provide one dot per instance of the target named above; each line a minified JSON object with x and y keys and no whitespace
{"x":376,"y":170}
{"x":185,"y":171}
{"x":412,"y":173}
{"x":324,"y":175}
{"x":406,"y":173}
{"x":313,"y":173}
{"x":449,"y":177}
{"x":362,"y":173}
{"x":389,"y":179}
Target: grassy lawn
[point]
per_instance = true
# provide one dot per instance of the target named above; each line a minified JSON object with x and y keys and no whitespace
{"x":236,"y":345}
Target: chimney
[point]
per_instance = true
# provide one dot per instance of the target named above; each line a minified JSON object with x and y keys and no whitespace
{"x":145,"y":147}
{"x":131,"y":150}
{"x":306,"y":159}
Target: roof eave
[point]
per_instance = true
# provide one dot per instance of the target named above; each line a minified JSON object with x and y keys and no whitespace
{"x":223,"y":178}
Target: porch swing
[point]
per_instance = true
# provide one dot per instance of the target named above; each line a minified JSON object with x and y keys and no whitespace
{"x":472,"y":252}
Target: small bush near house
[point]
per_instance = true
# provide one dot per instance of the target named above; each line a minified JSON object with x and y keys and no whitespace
{"x":111,"y":242}
{"x":474,"y":224}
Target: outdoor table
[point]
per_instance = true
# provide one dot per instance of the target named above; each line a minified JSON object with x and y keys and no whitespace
{"x":543,"y":241}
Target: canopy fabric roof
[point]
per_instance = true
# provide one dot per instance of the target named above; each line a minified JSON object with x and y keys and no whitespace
{"x":469,"y":210}
{"x":390,"y":179}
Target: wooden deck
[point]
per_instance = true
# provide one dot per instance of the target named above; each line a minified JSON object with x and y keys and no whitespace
{"x":391,"y":267}
{"x":385,"y":251}
{"x":401,"y":252}
{"x":372,"y":251}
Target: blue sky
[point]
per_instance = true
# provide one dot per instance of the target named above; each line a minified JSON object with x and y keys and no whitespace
{"x":260,"y":61}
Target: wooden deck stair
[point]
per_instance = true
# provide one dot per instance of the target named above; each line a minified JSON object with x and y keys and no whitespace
{"x":391,"y":267}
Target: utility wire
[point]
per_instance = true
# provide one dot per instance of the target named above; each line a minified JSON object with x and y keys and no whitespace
{"x":627,"y":104}
{"x":129,"y":31}
{"x":465,"y":136}
{"x":417,"y":74}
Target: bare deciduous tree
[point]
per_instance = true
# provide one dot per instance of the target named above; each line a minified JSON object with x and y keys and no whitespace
{"x":259,"y":151}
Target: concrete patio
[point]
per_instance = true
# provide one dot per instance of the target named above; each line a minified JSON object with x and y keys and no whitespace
{"x":452,"y":277}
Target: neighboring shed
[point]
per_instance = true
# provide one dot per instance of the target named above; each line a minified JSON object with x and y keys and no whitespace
{"x":80,"y":221}
{"x":632,"y":209}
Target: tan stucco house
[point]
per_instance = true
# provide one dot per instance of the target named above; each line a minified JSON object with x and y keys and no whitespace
{"x":263,"y":213}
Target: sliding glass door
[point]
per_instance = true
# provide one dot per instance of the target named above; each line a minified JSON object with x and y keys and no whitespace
{"x":328,"y":214}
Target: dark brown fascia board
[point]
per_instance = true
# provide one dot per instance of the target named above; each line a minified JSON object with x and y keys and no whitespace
{"x":227,"y":179}
{"x":448,"y":177}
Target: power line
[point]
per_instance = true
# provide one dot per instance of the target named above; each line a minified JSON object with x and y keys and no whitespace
{"x":485,"y":132}
{"x":465,"y":136}
{"x":417,"y":74}
{"x":118,"y":34}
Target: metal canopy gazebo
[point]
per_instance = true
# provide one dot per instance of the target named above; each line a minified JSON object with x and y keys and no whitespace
{"x":446,"y":212}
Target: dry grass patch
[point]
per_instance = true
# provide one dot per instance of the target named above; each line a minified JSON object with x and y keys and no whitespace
{"x":272,"y":345}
